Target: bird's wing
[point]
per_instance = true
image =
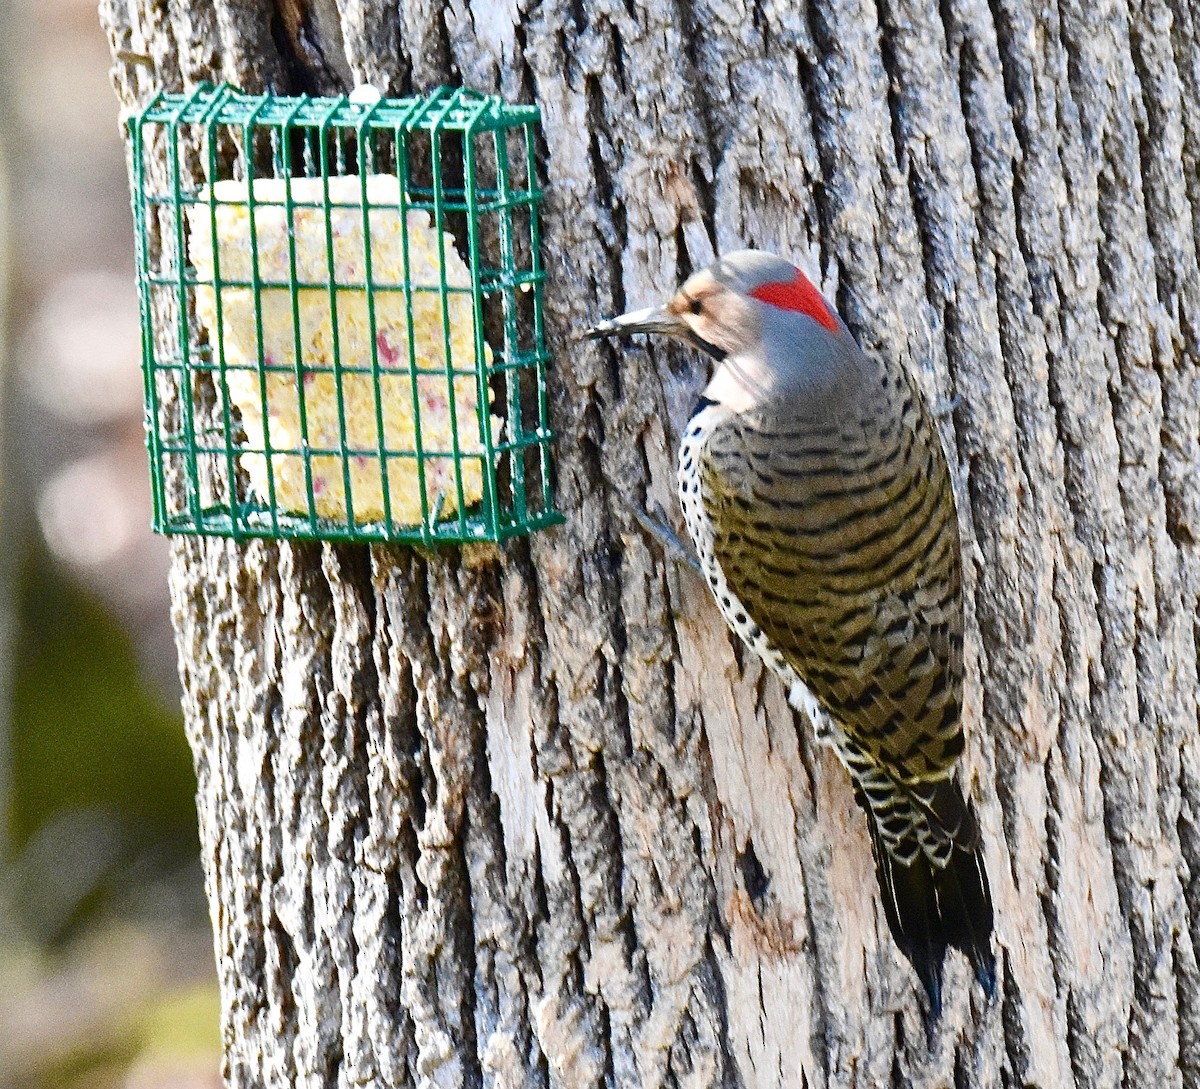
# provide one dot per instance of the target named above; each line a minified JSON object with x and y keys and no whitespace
{"x":848,"y":559}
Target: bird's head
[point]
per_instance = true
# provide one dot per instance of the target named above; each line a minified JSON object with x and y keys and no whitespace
{"x":759,"y":316}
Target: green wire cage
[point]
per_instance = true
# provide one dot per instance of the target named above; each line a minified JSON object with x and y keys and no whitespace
{"x":342,"y":324}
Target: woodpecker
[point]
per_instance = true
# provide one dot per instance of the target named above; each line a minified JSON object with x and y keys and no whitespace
{"x":817,"y":494}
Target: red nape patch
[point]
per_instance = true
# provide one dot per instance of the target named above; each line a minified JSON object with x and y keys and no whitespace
{"x":799,"y":295}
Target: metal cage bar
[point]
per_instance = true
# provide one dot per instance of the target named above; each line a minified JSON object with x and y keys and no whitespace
{"x":271,"y":298}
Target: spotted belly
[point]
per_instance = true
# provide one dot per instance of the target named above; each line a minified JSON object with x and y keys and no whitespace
{"x":699,"y":527}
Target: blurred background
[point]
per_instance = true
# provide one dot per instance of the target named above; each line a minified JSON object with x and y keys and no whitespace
{"x":106,"y":974}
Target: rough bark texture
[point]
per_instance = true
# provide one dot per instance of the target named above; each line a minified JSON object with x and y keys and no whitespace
{"x":533,"y":821}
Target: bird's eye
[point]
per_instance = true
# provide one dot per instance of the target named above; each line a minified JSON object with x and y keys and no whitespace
{"x":695,"y":306}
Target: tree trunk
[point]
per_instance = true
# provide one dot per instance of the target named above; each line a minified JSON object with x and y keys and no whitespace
{"x":531,"y":818}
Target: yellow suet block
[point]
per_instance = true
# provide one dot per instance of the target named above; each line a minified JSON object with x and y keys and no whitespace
{"x":278,"y":416}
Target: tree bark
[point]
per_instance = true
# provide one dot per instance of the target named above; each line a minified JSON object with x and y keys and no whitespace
{"x":531,"y":818}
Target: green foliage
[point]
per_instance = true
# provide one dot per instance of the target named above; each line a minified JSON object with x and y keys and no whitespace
{"x":101,"y":776}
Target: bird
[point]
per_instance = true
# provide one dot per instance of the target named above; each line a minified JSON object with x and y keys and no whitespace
{"x":820,"y":503}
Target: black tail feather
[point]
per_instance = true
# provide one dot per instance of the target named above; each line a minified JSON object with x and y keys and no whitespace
{"x":931,"y":908}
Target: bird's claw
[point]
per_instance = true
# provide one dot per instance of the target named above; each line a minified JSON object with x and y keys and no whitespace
{"x":656,"y":525}
{"x":944,"y":406}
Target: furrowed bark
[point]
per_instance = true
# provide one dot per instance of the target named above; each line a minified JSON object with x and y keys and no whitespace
{"x":529,"y":818}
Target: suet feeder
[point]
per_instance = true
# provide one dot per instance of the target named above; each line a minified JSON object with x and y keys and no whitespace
{"x":342,"y":325}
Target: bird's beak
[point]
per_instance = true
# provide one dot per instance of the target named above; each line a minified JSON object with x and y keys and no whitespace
{"x":654,"y":319}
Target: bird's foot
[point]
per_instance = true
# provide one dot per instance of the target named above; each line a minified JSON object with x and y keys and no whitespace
{"x":656,"y":525}
{"x":944,"y":406}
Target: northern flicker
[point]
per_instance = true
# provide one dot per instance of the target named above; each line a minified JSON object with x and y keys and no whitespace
{"x":817,"y":494}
